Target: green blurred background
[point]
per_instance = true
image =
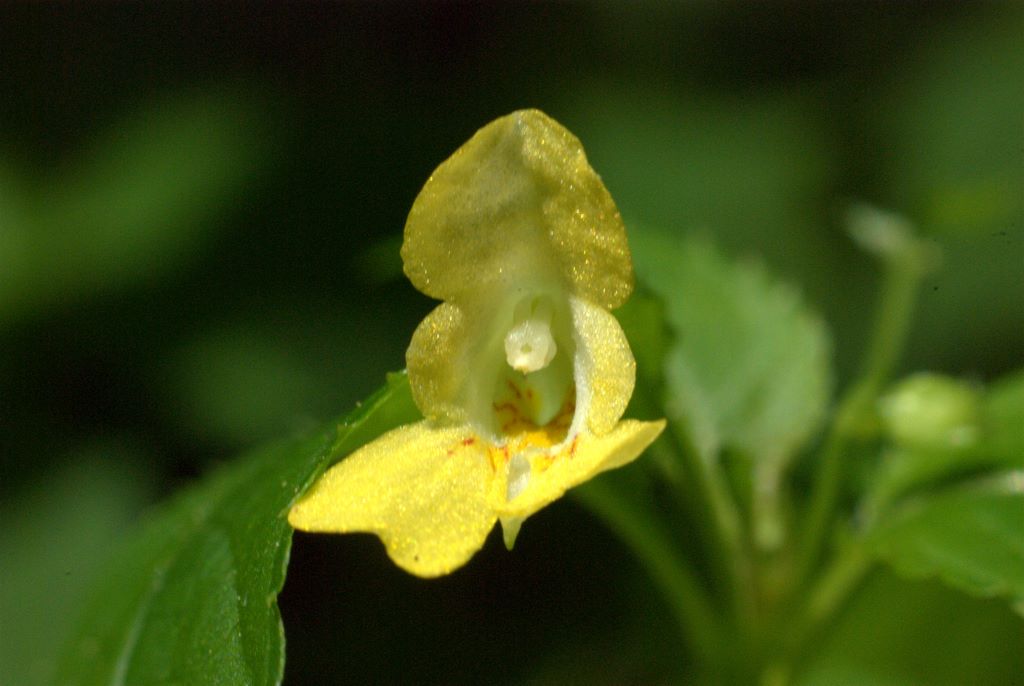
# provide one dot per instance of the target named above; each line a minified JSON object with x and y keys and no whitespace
{"x":200,"y":209}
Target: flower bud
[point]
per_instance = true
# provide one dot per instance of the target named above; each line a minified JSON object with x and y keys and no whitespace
{"x":931,"y":411}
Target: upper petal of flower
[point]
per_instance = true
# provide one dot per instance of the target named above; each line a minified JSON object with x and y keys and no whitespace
{"x":518,"y":203}
{"x":423,"y":490}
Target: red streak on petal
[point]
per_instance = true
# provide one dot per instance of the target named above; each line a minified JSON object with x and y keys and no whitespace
{"x":514,"y":388}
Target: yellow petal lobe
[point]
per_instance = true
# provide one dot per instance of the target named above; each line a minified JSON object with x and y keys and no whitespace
{"x":584,"y":458}
{"x":518,"y":203}
{"x":438,"y":358}
{"x":421,"y":489}
{"x":606,"y":369}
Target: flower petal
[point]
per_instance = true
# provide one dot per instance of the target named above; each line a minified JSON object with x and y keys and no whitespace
{"x":605,"y":368}
{"x":437,"y":360}
{"x":517,"y":203}
{"x":421,"y":489}
{"x":590,"y":456}
{"x":454,"y":357}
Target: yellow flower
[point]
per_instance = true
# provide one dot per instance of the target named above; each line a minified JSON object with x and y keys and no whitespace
{"x":521,"y":373}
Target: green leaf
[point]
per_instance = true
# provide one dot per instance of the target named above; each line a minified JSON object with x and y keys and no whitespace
{"x":945,"y":436}
{"x":193,"y":598}
{"x":749,"y":369}
{"x":748,"y":374}
{"x":896,"y":631}
{"x":971,"y":537}
{"x":1003,"y":418}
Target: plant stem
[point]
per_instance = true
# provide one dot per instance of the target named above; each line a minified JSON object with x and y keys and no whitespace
{"x":701,"y":489}
{"x":643,"y":533}
{"x":716,"y":510}
{"x":899,"y":289}
{"x":821,"y":602}
{"x":833,"y":587}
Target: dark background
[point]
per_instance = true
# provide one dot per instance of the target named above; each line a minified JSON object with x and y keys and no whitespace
{"x":200,"y":209}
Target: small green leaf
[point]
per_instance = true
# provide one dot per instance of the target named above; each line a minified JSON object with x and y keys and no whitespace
{"x":971,"y":537}
{"x":748,"y":375}
{"x":943,"y":429}
{"x":193,"y":598}
{"x":749,"y":369}
{"x":1003,"y":417}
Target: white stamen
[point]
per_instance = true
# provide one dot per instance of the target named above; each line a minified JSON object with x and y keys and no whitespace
{"x":529,"y":345}
{"x":518,"y":475}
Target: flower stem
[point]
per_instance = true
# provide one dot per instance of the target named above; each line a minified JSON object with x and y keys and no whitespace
{"x":701,"y":489}
{"x":818,"y":605}
{"x":652,"y":545}
{"x":906,"y":261}
{"x":717,"y":512}
{"x":833,"y":587}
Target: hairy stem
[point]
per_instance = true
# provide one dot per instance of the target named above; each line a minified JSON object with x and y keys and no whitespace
{"x":718,"y":514}
{"x":834,"y":586}
{"x":899,"y":290}
{"x":820,"y":604}
{"x":701,"y":489}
